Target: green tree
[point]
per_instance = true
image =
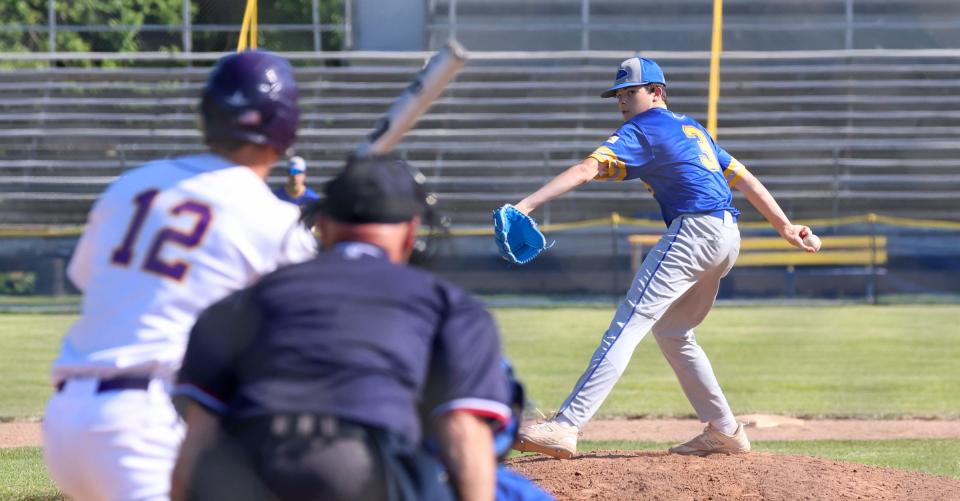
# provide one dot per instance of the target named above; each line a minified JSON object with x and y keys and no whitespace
{"x":73,"y":13}
{"x":133,"y":13}
{"x":22,"y":24}
{"x":15,"y":16}
{"x":269,"y":12}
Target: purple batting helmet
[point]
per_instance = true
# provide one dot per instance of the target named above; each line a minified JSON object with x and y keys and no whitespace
{"x":252,"y":97}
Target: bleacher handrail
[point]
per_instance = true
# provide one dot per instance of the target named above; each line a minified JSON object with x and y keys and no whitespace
{"x":826,"y":153}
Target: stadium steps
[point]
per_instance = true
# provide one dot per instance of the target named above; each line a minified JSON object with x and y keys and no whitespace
{"x":828,"y":138}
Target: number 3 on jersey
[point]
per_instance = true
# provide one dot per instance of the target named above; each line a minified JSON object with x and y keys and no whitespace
{"x":123,"y":254}
{"x":708,"y":157}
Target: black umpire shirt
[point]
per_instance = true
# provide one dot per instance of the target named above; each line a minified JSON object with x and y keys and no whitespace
{"x":348,"y":334}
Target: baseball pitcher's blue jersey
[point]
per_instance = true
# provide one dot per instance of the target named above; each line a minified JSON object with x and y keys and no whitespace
{"x":676,"y":158}
{"x":307,"y":196}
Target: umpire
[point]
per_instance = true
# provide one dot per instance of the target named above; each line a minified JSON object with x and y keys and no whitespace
{"x":312,"y":383}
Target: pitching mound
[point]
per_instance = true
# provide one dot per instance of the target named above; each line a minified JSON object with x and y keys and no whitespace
{"x":658,"y":475}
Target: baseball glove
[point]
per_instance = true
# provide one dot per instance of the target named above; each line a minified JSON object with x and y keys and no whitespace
{"x":517,"y":236}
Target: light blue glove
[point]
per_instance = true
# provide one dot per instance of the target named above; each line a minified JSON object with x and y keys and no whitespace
{"x":517,"y":236}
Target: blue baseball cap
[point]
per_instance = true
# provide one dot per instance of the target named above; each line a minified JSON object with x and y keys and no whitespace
{"x":633,"y":72}
{"x":296,"y":166}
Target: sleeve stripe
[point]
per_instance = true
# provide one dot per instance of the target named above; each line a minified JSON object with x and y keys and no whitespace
{"x":734,"y":172}
{"x":616,"y":169}
{"x":201,"y":397}
{"x":478,"y":406}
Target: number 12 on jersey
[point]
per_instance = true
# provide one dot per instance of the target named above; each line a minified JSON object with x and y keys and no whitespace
{"x":708,"y":157}
{"x":123,"y":254}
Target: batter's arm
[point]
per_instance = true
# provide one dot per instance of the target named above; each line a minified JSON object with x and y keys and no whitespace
{"x":761,"y":199}
{"x":466,"y":446}
{"x":84,"y":255}
{"x":203,"y":428}
{"x":567,"y":180}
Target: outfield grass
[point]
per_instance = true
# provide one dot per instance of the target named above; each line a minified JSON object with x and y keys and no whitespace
{"x":850,"y":361}
{"x":25,"y":476}
{"x":28,"y":344}
{"x":36,"y":300}
{"x":837,"y":361}
{"x":823,"y":361}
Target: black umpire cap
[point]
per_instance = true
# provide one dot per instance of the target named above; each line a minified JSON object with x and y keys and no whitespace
{"x":375,"y":190}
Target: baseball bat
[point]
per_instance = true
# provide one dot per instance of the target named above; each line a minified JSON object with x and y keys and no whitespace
{"x":414,"y":101}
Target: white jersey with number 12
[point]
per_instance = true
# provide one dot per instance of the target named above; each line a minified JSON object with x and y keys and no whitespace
{"x":162,"y":243}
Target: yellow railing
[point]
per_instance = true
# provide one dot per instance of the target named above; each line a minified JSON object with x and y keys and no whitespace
{"x":616,"y":220}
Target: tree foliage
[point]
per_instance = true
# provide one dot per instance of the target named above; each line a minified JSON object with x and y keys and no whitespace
{"x":71,"y":14}
{"x":23,"y":24}
{"x":279,"y":12}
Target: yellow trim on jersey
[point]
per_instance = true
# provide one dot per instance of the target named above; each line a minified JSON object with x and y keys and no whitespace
{"x":734,"y":171}
{"x":616,"y":170}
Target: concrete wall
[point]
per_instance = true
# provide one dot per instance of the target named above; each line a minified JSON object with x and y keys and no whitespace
{"x":389,"y":25}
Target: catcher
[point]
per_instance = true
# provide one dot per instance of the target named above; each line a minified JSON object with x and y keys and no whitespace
{"x":691,"y":178}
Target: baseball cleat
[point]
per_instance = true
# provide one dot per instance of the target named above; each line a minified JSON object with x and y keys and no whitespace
{"x":554,"y":439}
{"x":712,"y":441}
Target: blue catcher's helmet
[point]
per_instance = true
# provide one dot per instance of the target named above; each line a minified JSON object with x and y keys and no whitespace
{"x":252,"y":97}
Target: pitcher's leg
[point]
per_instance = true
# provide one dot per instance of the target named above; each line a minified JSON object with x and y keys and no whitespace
{"x":607,"y":364}
{"x":696,"y":376}
{"x":558,"y":437}
{"x":666,"y":274}
{"x":675,"y":336}
{"x":668,"y":271}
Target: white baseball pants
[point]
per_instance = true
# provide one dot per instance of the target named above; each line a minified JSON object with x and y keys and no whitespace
{"x":671,"y":294}
{"x":116,"y":445}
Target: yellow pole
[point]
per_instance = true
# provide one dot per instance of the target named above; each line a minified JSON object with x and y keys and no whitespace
{"x":713,"y":94}
{"x":253,"y":25}
{"x":248,"y":29}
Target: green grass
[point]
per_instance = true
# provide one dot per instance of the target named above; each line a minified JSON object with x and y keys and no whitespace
{"x":938,"y":457}
{"x":846,"y":361}
{"x":853,"y":361}
{"x":28,"y":345}
{"x":838,"y":361}
{"x":25,"y":476}
{"x":39,"y":300}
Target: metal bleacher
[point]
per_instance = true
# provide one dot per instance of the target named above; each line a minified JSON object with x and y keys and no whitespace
{"x":830,"y":133}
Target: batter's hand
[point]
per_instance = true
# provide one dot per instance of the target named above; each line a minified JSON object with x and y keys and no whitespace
{"x":794,"y":233}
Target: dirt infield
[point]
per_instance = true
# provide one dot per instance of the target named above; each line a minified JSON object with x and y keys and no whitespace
{"x":20,"y":434}
{"x":658,"y":475}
